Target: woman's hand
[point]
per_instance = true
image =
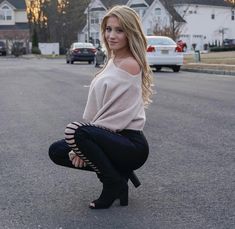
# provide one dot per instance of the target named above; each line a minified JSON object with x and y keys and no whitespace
{"x":76,"y":160}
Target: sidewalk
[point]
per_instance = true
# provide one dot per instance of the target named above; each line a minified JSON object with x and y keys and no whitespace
{"x":221,"y":69}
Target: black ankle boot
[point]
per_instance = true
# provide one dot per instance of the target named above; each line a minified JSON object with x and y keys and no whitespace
{"x":134,"y":179}
{"x":114,"y":185}
{"x":130,"y":175}
{"x":109,"y":194}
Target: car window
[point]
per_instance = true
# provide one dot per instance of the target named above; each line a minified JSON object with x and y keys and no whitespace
{"x":88,"y":45}
{"x":83,"y":45}
{"x":77,"y":45}
{"x":160,"y":41}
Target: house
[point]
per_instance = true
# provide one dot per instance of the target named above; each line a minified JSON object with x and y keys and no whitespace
{"x":208,"y":22}
{"x":202,"y":22}
{"x":14,"y":27}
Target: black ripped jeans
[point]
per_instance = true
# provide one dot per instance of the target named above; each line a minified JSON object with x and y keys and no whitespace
{"x":126,"y":150}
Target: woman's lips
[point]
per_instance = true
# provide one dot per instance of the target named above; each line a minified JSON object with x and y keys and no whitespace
{"x":112,"y":43}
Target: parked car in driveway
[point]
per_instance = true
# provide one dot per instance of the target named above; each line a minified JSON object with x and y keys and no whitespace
{"x":229,"y":43}
{"x":81,"y":51}
{"x":3,"y":49}
{"x":162,"y":51}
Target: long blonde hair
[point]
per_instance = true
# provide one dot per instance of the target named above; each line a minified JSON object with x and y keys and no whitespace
{"x":131,"y":25}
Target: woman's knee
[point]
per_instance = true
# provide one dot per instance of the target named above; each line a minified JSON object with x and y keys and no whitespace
{"x":57,"y":150}
{"x":52,"y":152}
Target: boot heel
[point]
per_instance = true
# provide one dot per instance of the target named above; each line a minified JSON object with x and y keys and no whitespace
{"x":134,"y":179}
{"x":124,"y":197}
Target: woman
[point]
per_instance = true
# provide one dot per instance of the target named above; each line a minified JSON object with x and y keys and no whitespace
{"x":112,"y":142}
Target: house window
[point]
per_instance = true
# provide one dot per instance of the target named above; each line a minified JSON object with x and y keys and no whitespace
{"x":212,"y":16}
{"x":184,"y":36}
{"x":94,"y":18}
{"x":197,"y":36}
{"x":140,"y":11}
{"x":5,"y":13}
{"x":149,"y":31}
{"x":158,"y":11}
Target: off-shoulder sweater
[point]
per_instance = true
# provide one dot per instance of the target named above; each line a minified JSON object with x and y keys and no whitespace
{"x":115,"y":100}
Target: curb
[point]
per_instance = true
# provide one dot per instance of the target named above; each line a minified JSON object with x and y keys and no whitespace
{"x":220,"y":69}
{"x":209,"y":71}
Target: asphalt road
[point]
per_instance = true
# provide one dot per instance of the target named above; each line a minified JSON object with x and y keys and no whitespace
{"x":188,"y":181}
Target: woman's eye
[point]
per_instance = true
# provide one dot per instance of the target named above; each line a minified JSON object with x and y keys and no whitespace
{"x":119,"y":30}
{"x":108,"y":29}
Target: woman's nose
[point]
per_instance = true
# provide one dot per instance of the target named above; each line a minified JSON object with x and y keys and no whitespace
{"x":112,"y":34}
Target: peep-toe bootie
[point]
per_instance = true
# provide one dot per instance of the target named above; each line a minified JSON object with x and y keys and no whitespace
{"x":109,"y":194}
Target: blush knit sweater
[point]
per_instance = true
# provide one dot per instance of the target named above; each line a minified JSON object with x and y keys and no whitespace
{"x":115,"y":100}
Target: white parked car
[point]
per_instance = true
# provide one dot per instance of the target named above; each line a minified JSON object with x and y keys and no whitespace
{"x":162,"y":51}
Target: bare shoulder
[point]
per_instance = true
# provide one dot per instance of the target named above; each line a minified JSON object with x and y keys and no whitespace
{"x":130,"y":65}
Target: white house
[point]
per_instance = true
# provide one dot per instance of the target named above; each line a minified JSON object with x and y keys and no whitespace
{"x":207,"y":22}
{"x":14,"y":26}
{"x":202,"y":21}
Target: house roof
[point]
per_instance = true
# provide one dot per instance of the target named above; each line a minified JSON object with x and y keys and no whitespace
{"x":109,"y":3}
{"x":177,"y":17}
{"x":138,"y":5}
{"x":166,"y":4}
{"x":18,"y":4}
{"x":97,"y":9}
{"x":203,"y":2}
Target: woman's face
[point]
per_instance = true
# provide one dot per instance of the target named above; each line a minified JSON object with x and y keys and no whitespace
{"x":115,"y":36}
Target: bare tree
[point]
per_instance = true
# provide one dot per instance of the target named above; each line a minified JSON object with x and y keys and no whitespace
{"x":37,"y":18}
{"x":176,"y":20}
{"x":231,"y":2}
{"x":57,"y":20}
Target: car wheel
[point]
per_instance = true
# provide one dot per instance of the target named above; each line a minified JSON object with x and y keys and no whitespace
{"x":71,"y":61}
{"x":176,"y":68}
{"x":67,"y":61}
{"x":89,"y":62}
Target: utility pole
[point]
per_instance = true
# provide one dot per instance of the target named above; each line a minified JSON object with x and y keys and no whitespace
{"x":88,"y":22}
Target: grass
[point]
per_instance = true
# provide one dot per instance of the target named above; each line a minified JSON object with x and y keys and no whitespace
{"x":218,"y":58}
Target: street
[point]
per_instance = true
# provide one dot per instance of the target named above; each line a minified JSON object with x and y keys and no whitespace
{"x":188,"y":180}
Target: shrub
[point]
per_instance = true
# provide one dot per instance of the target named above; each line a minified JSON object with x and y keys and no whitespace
{"x":222,"y":49}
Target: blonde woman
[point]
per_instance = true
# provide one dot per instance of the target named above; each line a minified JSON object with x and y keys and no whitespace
{"x":112,"y":142}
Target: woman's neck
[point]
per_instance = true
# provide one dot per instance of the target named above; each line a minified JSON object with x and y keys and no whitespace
{"x":121,"y":55}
